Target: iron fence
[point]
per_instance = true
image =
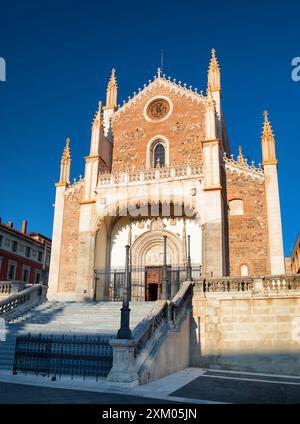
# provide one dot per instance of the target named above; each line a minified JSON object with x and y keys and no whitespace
{"x":63,"y":355}
{"x":112,"y":283}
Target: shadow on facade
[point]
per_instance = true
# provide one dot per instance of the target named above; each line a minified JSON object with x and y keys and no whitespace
{"x":263,"y":360}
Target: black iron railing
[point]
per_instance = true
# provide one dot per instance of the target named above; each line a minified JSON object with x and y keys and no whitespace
{"x":63,"y":355}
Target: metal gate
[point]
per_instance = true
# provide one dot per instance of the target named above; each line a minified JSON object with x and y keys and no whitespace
{"x":113,"y":282}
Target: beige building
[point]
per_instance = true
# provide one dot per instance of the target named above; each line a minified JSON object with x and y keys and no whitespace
{"x":161,"y":165}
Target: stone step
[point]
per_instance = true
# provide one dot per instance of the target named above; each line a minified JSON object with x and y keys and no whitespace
{"x":69,"y":318}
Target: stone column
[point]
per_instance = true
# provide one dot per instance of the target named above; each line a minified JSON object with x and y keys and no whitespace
{"x":56,"y":240}
{"x":274,"y":220}
{"x":86,"y":254}
{"x":213,"y":234}
{"x":212,"y":241}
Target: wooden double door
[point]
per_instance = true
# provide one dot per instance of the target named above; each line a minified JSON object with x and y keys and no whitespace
{"x":153,"y":277}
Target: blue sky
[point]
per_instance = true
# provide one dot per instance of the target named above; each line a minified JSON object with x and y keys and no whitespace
{"x":59,"y":55}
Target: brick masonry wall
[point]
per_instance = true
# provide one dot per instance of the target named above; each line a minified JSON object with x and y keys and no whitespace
{"x":68,"y":258}
{"x":260,"y":334}
{"x":184,"y":129}
{"x":248,"y":234}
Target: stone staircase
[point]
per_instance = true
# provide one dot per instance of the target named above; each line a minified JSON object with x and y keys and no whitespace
{"x":77,"y":318}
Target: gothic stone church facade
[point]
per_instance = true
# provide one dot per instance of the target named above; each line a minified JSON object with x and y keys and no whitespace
{"x":161,"y":165}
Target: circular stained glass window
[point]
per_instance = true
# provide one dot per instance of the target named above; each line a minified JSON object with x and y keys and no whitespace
{"x":158,"y":109}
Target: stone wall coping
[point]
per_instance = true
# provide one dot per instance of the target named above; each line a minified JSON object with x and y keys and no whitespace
{"x":122,"y":343}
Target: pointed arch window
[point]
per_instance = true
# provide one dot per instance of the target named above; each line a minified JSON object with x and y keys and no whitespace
{"x":159,"y":155}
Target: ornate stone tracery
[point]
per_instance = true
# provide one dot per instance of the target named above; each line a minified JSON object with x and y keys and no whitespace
{"x":158,"y":109}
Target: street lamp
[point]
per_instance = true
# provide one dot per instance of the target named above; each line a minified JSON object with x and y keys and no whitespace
{"x":164,"y":281}
{"x":124,"y":331}
{"x":189,"y":266}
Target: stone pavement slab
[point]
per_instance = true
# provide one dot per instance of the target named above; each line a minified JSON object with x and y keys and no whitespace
{"x":11,"y":393}
{"x":238,"y":387}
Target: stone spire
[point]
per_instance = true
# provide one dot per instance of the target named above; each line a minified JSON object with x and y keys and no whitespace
{"x":240,"y":158}
{"x":268,"y":142}
{"x":98,"y":120}
{"x":65,"y":164}
{"x":112,"y":91}
{"x":214,"y":72}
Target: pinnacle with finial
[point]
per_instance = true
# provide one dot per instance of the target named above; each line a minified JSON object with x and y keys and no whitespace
{"x":267,"y":128}
{"x":112,"y":81}
{"x":97,"y":122}
{"x":240,"y":158}
{"x":66,"y":153}
{"x":213,"y":61}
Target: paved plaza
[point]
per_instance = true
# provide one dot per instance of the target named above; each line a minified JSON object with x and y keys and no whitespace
{"x":190,"y":386}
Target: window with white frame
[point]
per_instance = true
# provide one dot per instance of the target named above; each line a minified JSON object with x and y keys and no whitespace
{"x":14,"y":246}
{"x":11,"y":270}
{"x":25,"y":273}
{"x":27,"y":251}
{"x":38,"y":276}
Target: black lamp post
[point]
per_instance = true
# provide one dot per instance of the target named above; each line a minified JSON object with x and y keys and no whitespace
{"x":124,"y":331}
{"x":189,"y":265}
{"x":164,"y":281}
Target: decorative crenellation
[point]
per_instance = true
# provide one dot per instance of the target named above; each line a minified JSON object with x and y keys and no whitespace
{"x":241,"y":166}
{"x":161,"y":81}
{"x":75,"y":187}
{"x":130,"y":175}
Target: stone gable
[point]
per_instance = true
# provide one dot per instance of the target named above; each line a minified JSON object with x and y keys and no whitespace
{"x":184,"y":129}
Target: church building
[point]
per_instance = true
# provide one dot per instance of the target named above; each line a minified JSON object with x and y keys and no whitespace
{"x":160,"y":170}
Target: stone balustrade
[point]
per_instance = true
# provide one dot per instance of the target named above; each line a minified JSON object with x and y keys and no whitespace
{"x":8,"y":288}
{"x":241,"y":165}
{"x":249,"y":284}
{"x":133,"y":359}
{"x":145,"y":175}
{"x":20,"y":302}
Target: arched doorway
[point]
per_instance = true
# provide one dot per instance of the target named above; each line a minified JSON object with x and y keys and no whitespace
{"x":145,"y":236}
{"x":147,"y":253}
